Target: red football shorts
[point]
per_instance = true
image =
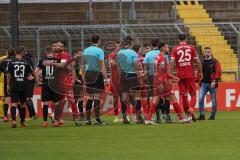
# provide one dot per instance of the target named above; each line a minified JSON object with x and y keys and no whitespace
{"x":162,"y":87}
{"x":187,"y":85}
{"x":115,"y":82}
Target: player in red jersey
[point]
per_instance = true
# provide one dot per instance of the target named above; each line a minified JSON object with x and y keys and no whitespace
{"x":115,"y":78}
{"x":163,"y":86}
{"x":65,"y":86}
{"x":68,"y":78}
{"x":143,"y":98}
{"x":185,"y":55}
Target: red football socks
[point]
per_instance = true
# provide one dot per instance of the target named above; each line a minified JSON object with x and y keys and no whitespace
{"x":185,"y":104}
{"x":177,"y":109}
{"x":151,"y":111}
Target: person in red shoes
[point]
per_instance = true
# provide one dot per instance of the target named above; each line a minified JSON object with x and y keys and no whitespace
{"x":162,"y":83}
{"x":19,"y":71}
{"x":65,"y":86}
{"x":115,"y":78}
{"x":142,"y":100}
{"x":185,"y":56}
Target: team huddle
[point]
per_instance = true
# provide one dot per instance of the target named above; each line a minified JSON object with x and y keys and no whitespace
{"x":142,"y":86}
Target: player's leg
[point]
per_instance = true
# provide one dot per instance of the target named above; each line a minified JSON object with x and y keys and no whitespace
{"x":78,"y":122}
{"x":157,"y":92}
{"x":145,"y":106}
{"x":71,"y":100}
{"x":177,"y":108}
{"x":13,"y":109}
{"x":213,"y":93}
{"x":115,"y":91}
{"x":80,"y":107}
{"x":138,"y":106}
{"x":152,"y":109}
{"x":115,"y":106}
{"x":124,"y":99}
{"x":78,"y":99}
{"x":89,"y":105}
{"x":6,"y":107}
{"x":22,"y":108}
{"x":7,"y":100}
{"x":60,"y":108}
{"x":46,"y":97}
{"x":184,"y":95}
{"x":45,"y":114}
{"x":1,"y":107}
{"x":98,"y":93}
{"x":97,"y":108}
{"x":203,"y":92}
{"x":160,"y":110}
{"x":73,"y":105}
{"x":167,"y":110}
{"x":29,"y":102}
{"x":192,"y":89}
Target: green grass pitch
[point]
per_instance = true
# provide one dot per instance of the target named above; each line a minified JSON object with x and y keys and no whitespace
{"x":205,"y":140}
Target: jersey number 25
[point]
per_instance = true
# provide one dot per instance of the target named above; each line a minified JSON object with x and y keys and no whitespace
{"x":184,"y":56}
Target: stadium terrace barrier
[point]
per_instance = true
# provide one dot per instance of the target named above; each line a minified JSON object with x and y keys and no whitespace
{"x":228,"y":97}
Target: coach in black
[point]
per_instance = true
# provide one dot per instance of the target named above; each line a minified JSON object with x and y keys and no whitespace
{"x":19,"y":72}
{"x":211,"y":75}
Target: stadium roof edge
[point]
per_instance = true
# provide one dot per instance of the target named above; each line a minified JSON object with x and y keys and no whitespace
{"x":85,"y":1}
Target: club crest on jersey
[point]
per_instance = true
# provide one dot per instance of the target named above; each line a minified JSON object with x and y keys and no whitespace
{"x":162,"y":64}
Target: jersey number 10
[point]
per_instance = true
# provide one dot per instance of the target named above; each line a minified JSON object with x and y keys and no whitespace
{"x":49,"y":70}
